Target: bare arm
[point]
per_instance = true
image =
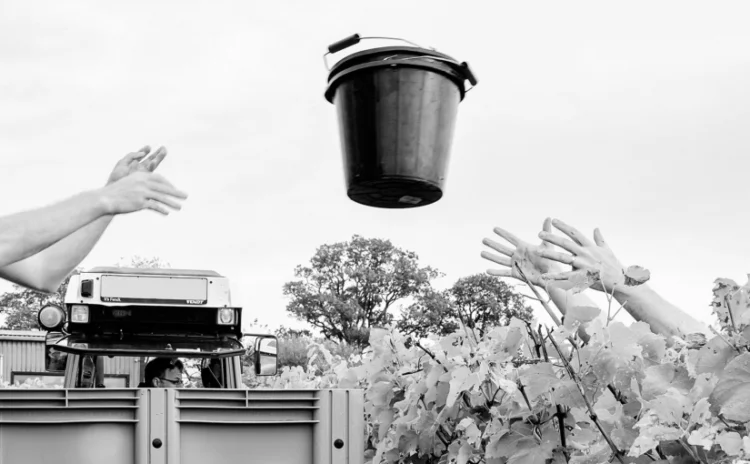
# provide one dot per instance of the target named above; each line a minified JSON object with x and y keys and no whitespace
{"x":644,"y":304}
{"x":640,"y":301}
{"x":25,"y":235}
{"x":47,"y":269}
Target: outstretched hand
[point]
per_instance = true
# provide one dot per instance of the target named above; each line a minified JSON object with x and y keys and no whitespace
{"x":133,"y":186}
{"x":135,"y":162}
{"x":530,"y":258}
{"x":583,"y":255}
{"x":141,"y":190}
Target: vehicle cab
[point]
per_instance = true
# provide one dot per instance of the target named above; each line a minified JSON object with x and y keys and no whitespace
{"x":141,"y":314}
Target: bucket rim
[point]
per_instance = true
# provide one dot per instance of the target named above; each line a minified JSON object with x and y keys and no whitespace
{"x":445,"y":70}
{"x":440,"y":63}
{"x":336,"y":68}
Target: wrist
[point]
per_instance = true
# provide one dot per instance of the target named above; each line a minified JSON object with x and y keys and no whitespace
{"x":625,"y":292}
{"x":102,"y":202}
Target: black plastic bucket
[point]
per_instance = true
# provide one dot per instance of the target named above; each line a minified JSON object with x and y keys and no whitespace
{"x":397,"y":110}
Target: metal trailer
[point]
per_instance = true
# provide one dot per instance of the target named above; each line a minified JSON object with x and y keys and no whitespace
{"x":181,"y":426}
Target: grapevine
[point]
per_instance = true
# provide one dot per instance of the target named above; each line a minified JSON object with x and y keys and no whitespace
{"x":527,"y":394}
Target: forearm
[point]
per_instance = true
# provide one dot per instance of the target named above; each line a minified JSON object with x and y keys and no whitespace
{"x":46,"y":270}
{"x":644,"y":304}
{"x":27,"y":233}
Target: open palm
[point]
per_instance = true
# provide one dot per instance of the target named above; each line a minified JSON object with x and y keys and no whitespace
{"x":135,"y":162}
{"x":530,"y":258}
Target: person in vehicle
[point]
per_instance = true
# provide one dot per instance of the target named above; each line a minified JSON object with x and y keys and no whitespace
{"x":211,"y":374}
{"x":39,"y":248}
{"x":164,"y":373}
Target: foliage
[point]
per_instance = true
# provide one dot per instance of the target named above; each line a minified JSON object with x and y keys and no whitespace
{"x":523,"y":394}
{"x":479,"y":301}
{"x":143,"y":262}
{"x":29,"y":384}
{"x":283,"y":332}
{"x":349,"y":287}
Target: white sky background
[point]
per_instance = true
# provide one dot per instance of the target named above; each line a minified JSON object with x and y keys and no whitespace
{"x":632,"y":117}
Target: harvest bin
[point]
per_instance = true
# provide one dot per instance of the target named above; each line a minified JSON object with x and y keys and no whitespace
{"x":397,"y":112}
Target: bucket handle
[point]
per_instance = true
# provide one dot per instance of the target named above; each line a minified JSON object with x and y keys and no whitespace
{"x":354,"y":39}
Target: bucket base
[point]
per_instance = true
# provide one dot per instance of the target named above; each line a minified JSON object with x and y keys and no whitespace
{"x":394,"y":192}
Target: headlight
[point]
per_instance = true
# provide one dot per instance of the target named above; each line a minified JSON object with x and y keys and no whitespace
{"x":225,"y":316}
{"x":51,"y":317}
{"x":79,"y":314}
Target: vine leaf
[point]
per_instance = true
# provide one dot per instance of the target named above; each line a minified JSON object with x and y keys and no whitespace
{"x":662,"y":377}
{"x":636,"y":275}
{"x":731,"y":397}
{"x":538,"y":379}
{"x":581,"y":315}
{"x":730,"y":442}
{"x":529,"y":452}
{"x":713,"y":357}
{"x":565,"y":392}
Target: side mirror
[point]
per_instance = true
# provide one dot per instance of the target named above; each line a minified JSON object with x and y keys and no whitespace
{"x":265,"y":357}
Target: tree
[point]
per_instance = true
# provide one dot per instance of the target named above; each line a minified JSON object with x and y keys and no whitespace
{"x":351,"y":286}
{"x":284,"y":332}
{"x":142,"y":262}
{"x":21,"y":305}
{"x":480,"y":301}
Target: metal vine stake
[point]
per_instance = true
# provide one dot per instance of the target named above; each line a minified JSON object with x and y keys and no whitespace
{"x":617,"y":452}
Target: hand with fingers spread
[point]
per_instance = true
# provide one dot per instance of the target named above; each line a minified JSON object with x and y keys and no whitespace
{"x":141,"y":190}
{"x":132,"y":186}
{"x":534,"y":265}
{"x":530,"y":258}
{"x":583,"y":254}
{"x":135,"y":162}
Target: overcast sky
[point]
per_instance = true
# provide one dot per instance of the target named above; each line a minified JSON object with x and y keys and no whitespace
{"x":632,"y":117}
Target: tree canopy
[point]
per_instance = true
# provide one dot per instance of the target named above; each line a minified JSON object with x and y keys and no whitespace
{"x":479,"y":301}
{"x":350,"y":287}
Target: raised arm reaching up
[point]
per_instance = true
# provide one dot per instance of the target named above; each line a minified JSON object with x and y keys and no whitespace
{"x":640,"y":301}
{"x":40,"y":247}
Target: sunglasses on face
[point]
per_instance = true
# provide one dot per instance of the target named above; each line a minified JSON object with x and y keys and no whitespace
{"x":177,"y":382}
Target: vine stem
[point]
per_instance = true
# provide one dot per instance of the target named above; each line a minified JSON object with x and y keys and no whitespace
{"x":725,"y":340}
{"x":592,"y":414}
{"x":560,"y":412}
{"x":431,"y":355}
{"x":581,"y":333}
{"x":689,"y":450}
{"x":538,"y":296}
{"x":729,"y":310}
{"x":439,"y":428}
